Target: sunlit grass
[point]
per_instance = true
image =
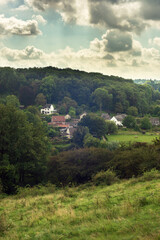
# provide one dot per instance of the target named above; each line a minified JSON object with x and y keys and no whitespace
{"x":131,"y":138}
{"x":126,"y":210}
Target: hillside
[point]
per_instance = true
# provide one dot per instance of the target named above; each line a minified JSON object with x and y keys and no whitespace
{"x":126,"y":210}
{"x":73,"y":88}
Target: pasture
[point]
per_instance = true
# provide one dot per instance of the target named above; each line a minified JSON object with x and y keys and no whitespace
{"x":129,"y":210}
{"x":132,"y":137}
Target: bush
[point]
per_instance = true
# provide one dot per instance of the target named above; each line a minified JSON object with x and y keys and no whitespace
{"x":105,"y":178}
{"x":77,"y":166}
{"x":38,"y":190}
{"x":150,"y":175}
{"x":135,"y":160}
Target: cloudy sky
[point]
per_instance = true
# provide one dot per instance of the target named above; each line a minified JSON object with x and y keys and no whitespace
{"x":114,"y":37}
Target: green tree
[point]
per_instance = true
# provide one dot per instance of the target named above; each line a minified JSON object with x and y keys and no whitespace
{"x":48,"y":87}
{"x":112,"y":127}
{"x":23,"y":148}
{"x":79,"y":135}
{"x":129,"y":122}
{"x":146,"y":124}
{"x":72,"y":112}
{"x":12,"y":100}
{"x":97,"y":125}
{"x":133,"y":111}
{"x":40,"y":99}
{"x":102,"y":98}
{"x":26,"y":96}
{"x":90,"y":141}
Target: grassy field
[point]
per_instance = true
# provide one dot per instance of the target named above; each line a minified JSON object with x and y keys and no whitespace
{"x":132,"y":137}
{"x":129,"y":210}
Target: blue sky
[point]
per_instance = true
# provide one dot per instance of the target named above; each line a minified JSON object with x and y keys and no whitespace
{"x":114,"y":37}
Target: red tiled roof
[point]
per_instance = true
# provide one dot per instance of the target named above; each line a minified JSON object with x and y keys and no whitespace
{"x":58,"y":119}
{"x":62,"y":125}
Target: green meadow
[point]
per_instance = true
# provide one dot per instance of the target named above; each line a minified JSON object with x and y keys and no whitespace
{"x":132,"y":137}
{"x":127,"y":210}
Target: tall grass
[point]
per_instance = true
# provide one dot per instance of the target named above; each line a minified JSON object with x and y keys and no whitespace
{"x":126,"y":210}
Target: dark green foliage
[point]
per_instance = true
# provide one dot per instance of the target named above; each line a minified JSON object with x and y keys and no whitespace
{"x":102,"y":98}
{"x":23,"y":148}
{"x":48,"y":87}
{"x":95,"y":90}
{"x":133,"y":111}
{"x":111,"y":127}
{"x":97,"y":125}
{"x":79,"y":135}
{"x":145,"y":123}
{"x":77,"y":166}
{"x":40,"y":99}
{"x":135,"y":160}
{"x":26,"y":96}
{"x":129,"y":122}
{"x":90,"y":141}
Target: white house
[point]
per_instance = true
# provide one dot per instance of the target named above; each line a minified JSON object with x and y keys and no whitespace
{"x":67,"y":117}
{"x":118,"y":123}
{"x":48,"y":109}
{"x":82,"y":115}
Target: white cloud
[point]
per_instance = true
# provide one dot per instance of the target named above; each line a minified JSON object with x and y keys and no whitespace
{"x":40,"y":19}
{"x":29,"y":53}
{"x":21,"y":8}
{"x":156,"y":41}
{"x":4,"y":2}
{"x":14,"y":26}
{"x":134,"y":61}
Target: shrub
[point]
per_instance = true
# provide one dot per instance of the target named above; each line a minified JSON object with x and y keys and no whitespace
{"x":150,"y":175}
{"x":77,"y":166}
{"x":38,"y":190}
{"x":135,"y":160}
{"x":105,"y":178}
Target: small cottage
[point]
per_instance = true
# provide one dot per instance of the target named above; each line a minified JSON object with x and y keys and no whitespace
{"x":82,"y":115}
{"x":120,"y":117}
{"x":106,"y":116}
{"x":118,"y":123}
{"x":58,"y":120}
{"x":155,"y":121}
{"x":48,"y":109}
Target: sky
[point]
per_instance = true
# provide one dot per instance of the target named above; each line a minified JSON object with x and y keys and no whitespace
{"x":113,"y":37}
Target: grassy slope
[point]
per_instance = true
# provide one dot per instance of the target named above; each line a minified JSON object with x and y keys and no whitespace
{"x":128,"y":210}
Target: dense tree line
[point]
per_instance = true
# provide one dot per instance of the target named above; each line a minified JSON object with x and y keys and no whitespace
{"x":79,"y":166}
{"x":24,"y":146}
{"x":82,"y":90}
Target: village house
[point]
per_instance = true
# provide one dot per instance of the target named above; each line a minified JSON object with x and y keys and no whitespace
{"x":82,"y":115}
{"x":106,"y":116}
{"x":67,"y":132}
{"x":67,"y":117}
{"x":48,"y":109}
{"x":120,"y":117}
{"x":118,"y":123}
{"x":155,"y":121}
{"x":58,"y":120}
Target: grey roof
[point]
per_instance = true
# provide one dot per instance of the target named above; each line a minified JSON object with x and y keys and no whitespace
{"x":106,"y":116}
{"x":155,"y":120}
{"x":47,"y":106}
{"x":120,"y":117}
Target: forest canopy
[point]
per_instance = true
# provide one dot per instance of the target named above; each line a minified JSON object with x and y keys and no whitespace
{"x":83,"y":91}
